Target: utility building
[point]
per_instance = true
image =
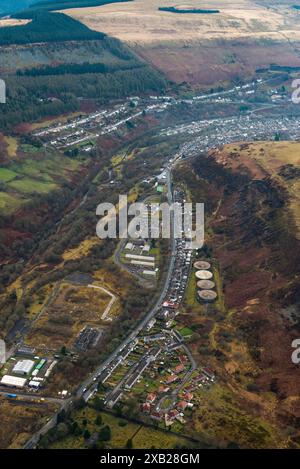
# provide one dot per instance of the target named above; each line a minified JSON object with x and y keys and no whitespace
{"x":23,"y":367}
{"x":13,"y":381}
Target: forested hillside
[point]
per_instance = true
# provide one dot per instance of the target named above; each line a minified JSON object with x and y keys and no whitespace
{"x":182,"y":10}
{"x":52,"y":61}
{"x":47,"y":27}
{"x":32,"y":98}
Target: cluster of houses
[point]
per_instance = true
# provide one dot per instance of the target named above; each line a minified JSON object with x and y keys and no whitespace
{"x":86,"y":127}
{"x":178,"y":404}
{"x":151,"y":407}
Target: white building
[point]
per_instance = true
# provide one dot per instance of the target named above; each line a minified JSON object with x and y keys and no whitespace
{"x":13,"y":381}
{"x":23,"y":367}
{"x":34,"y":384}
{"x":149,"y":272}
{"x":138,"y":257}
{"x":143,"y":263}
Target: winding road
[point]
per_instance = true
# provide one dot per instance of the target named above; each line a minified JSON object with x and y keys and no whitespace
{"x":89,"y":385}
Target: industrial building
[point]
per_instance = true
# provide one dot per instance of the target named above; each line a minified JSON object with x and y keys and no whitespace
{"x":149,"y":272}
{"x":34,"y":384}
{"x":49,"y":370}
{"x":140,"y":258}
{"x":143,"y":263}
{"x":23,"y":367}
{"x":13,"y":381}
{"x":25,"y":350}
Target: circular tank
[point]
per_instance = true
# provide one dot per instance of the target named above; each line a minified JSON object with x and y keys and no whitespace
{"x":207,"y":295}
{"x":203,"y":274}
{"x":202,"y":265}
{"x":206,"y":284}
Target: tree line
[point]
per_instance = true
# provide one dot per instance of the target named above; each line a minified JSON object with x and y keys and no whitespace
{"x":27,"y":96}
{"x":74,"y":69}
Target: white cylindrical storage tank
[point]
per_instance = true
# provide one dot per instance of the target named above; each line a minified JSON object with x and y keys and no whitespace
{"x":202,"y":265}
{"x":207,"y":295}
{"x":206,"y":284}
{"x":203,"y":274}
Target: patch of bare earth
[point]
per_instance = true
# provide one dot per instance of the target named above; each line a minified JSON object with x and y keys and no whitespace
{"x":12,"y":22}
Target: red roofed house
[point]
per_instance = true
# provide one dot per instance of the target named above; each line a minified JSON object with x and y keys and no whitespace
{"x":163,"y":388}
{"x":182,"y":405}
{"x":146,"y":407}
{"x":170,"y":417}
{"x":179,"y":368}
{"x":208,"y":372}
{"x":188,"y":396}
{"x":172,"y":378}
{"x":173,"y":413}
{"x":183,"y":358}
{"x":151,"y":398}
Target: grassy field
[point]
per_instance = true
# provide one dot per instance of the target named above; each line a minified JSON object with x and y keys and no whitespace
{"x":142,"y":437}
{"x":186,"y":47}
{"x":71,"y":309}
{"x":55,"y":120}
{"x":24,"y":177}
{"x":12,"y":146}
{"x":186,"y":332}
{"x":82,"y":250}
{"x":30,"y":186}
{"x":10,"y":203}
{"x":20,"y":420}
{"x":221,"y":418}
{"x":149,"y":25}
{"x":7,"y":175}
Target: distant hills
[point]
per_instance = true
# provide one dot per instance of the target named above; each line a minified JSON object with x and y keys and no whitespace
{"x":8,"y":7}
{"x":11,"y":6}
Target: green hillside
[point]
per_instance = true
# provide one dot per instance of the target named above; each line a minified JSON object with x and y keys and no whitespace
{"x":52,"y":61}
{"x":47,"y":27}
